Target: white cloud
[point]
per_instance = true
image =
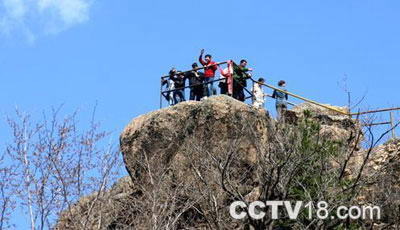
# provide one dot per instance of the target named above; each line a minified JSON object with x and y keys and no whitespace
{"x":15,"y":9}
{"x":33,"y":18}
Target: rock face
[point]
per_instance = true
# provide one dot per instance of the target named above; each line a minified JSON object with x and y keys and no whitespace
{"x":177,"y":160}
{"x":182,"y":151}
{"x":334,"y":126}
{"x":213,"y":125}
{"x":191,"y":142}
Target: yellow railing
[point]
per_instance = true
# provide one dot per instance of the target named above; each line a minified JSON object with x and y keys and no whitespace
{"x":305,"y":99}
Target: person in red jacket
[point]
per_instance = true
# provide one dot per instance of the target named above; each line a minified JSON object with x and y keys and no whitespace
{"x":209,"y":72}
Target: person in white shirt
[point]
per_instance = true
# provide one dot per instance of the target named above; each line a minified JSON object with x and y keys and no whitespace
{"x":259,"y":95}
{"x":170,"y":86}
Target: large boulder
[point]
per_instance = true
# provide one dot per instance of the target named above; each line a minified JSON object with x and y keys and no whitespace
{"x":213,"y":125}
{"x":179,"y":154}
{"x":189,"y":144}
{"x":178,"y":157}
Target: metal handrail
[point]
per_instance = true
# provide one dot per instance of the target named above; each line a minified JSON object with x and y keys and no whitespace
{"x":195,"y":69}
{"x":190,"y":86}
{"x":162,"y":93}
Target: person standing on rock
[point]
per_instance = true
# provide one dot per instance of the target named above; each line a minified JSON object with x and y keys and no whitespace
{"x":170,"y":86}
{"x":226,"y":79}
{"x":259,"y":95}
{"x":179,"y":82}
{"x":196,"y":80}
{"x":281,"y":99}
{"x":240,"y":76}
{"x":223,"y":85}
{"x":209,"y":73}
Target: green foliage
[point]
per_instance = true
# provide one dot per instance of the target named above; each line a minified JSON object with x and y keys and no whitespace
{"x":316,"y":154}
{"x":315,"y":178}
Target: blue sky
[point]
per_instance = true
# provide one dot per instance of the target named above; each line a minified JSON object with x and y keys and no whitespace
{"x":114,"y":52}
{"x":79,"y":52}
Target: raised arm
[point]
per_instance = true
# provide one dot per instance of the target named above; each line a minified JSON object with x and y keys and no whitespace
{"x":201,"y":57}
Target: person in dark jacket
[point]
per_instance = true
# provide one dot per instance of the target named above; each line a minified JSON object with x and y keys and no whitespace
{"x":223,"y":85}
{"x":281,"y":99}
{"x":196,"y":80}
{"x":240,"y":76}
{"x":209,"y":72}
{"x":179,"y":82}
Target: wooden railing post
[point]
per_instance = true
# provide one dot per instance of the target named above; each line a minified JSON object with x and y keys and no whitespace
{"x":392,"y":125}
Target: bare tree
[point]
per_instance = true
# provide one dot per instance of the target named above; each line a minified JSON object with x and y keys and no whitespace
{"x":7,"y":185}
{"x":343,"y":84}
{"x":57,"y":161}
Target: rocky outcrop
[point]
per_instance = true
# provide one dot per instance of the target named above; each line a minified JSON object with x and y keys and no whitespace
{"x":187,"y":146}
{"x":213,"y":125}
{"x":383,"y":184}
{"x":334,"y":126}
{"x":192,"y":141}
{"x":176,"y":158}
